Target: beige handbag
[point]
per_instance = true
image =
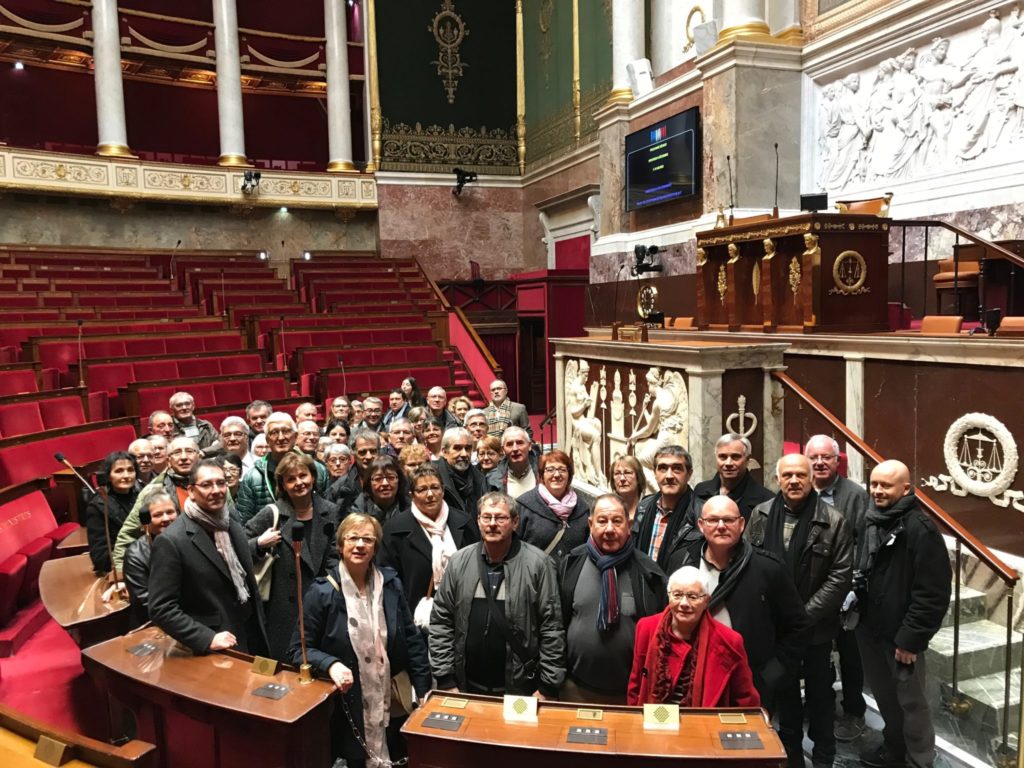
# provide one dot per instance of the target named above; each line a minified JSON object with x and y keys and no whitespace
{"x":264,"y":568}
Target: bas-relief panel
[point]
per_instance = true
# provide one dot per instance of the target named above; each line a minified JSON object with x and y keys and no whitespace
{"x":950,"y":103}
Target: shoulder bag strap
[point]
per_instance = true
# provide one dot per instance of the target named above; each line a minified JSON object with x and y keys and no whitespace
{"x":558,"y":537}
{"x":500,"y":620}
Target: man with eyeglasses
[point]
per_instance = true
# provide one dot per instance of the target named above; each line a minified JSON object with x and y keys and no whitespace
{"x":419,"y":542}
{"x":659,"y":529}
{"x":307,"y":437}
{"x":257,"y":487}
{"x":160,"y":446}
{"x":202,"y":589}
{"x":373,"y":414}
{"x":155,"y":518}
{"x":464,"y":484}
{"x":851,"y":501}
{"x":733,"y":479}
{"x":365,"y":448}
{"x":607,"y":586}
{"x":183,"y":408}
{"x":400,"y":434}
{"x":816,"y":545}
{"x":142,"y":450}
{"x":752,"y":593}
{"x":502,"y":413}
{"x":182,"y":454}
{"x":496,"y":626}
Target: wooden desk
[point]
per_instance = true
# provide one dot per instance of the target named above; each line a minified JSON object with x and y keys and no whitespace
{"x":200,"y":711}
{"x":19,"y":734}
{"x":71,"y":594}
{"x":75,"y":543}
{"x":484,"y":738}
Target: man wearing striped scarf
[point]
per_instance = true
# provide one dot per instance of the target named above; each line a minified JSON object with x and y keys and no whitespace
{"x":608,"y":585}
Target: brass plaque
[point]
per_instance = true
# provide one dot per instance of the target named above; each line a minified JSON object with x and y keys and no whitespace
{"x":51,"y":751}
{"x":590,"y":714}
{"x":454,"y":703}
{"x":732,"y":718}
{"x":264,"y":666}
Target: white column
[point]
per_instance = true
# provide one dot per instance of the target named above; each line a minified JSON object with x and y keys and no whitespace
{"x":339,"y":110}
{"x":106,"y":52}
{"x":229,"y":84}
{"x":627,"y":45}
{"x":705,"y":419}
{"x":668,"y":35}
{"x":743,"y":18}
{"x":854,"y":416}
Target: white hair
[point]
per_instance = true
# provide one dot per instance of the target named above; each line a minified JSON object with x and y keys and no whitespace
{"x":280,"y":416}
{"x":302,"y":425}
{"x":452,"y":434}
{"x":687,"y":575}
{"x":237,"y":421}
{"x":260,"y":439}
{"x":831,"y":440}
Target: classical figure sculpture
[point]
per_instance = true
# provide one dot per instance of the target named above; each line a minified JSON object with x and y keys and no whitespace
{"x":664,"y":419}
{"x":988,"y":98}
{"x":853,"y":135}
{"x":584,"y":429}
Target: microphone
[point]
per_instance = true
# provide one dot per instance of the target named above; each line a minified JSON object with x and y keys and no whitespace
{"x":60,"y":457}
{"x":775,"y":210}
{"x":732,"y":202}
{"x":81,"y":373}
{"x":298,"y":534}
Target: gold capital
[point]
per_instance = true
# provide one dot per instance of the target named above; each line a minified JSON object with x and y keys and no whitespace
{"x":234,"y":161}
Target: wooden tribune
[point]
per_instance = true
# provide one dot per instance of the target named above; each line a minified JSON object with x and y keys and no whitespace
{"x":814,"y":272}
{"x":201,"y":712}
{"x":484,"y":738}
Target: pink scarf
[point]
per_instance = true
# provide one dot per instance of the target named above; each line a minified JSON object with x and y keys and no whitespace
{"x":562,"y":507}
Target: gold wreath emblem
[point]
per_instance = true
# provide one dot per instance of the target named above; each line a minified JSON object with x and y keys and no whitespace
{"x":849,"y":271}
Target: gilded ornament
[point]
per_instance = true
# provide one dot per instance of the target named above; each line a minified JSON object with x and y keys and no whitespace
{"x":646,"y":301}
{"x":449,"y":31}
{"x":755,"y":280}
{"x":294,"y":187}
{"x":734,"y":253}
{"x":702,"y":257}
{"x":769,"y":249}
{"x":755,"y":234}
{"x":186,"y":181}
{"x":691,"y":22}
{"x":795,"y":275}
{"x":723,"y":284}
{"x":720,"y":221}
{"x":436,"y":149}
{"x":849,"y":272}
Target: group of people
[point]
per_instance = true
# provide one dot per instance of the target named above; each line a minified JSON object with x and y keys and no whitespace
{"x":470,"y":563}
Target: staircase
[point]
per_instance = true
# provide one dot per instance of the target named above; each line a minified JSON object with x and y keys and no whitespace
{"x":463,"y":378}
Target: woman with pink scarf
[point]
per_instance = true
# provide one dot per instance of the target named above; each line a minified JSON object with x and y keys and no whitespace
{"x":551,"y":517}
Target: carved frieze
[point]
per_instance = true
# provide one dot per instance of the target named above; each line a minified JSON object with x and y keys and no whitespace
{"x":437,"y":148}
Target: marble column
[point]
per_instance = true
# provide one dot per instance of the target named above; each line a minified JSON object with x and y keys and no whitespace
{"x":772,"y":426}
{"x":743,"y":18}
{"x":854,"y":416}
{"x":229,"y":85}
{"x":106,"y":52}
{"x":668,"y":34}
{"x":561,"y":415}
{"x":612,"y":127}
{"x":339,"y":109}
{"x":627,"y":45}
{"x":705,"y":387}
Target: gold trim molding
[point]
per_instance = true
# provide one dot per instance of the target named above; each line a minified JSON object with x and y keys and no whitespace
{"x":436,"y":149}
{"x":115,"y":150}
{"x":126,"y":180}
{"x":341,"y":166}
{"x":234,"y":161}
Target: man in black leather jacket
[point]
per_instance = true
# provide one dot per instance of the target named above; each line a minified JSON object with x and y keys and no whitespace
{"x":816,"y":544}
{"x":159,"y":512}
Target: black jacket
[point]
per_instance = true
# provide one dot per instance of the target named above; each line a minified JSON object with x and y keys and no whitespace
{"x":747,"y":494}
{"x":451,"y":495}
{"x":319,"y":555}
{"x":344,"y":490}
{"x":649,"y":583}
{"x":327,"y":641}
{"x":826,"y":564}
{"x":909,"y":585}
{"x":765,"y":608}
{"x":407,"y":549}
{"x":136,"y":577}
{"x":851,"y":501}
{"x":673,"y":540}
{"x":497,"y":478}
{"x":538,"y":525}
{"x":365,"y":505}
{"x":118,"y":507}
{"x":191,"y":596}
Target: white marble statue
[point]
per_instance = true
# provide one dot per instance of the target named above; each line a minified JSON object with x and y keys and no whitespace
{"x":663,"y":420}
{"x":584,"y":430}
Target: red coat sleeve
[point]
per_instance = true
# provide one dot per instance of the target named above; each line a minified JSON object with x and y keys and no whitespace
{"x":637,"y":688}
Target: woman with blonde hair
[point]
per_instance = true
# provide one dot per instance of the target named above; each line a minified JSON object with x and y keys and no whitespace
{"x":627,"y":475}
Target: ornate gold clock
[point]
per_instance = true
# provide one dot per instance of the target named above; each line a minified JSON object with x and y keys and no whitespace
{"x":646,"y":301}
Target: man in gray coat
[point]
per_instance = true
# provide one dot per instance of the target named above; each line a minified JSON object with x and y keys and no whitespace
{"x":496,"y":625}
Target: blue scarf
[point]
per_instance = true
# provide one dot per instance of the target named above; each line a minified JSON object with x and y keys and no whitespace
{"x":608,"y":609}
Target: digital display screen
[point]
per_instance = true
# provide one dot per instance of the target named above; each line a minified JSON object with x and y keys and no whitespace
{"x":663,"y":161}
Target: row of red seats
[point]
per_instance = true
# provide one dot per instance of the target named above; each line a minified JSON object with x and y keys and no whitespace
{"x":19,"y":378}
{"x":284,"y":343}
{"x":90,"y":299}
{"x":27,"y":414}
{"x":110,"y":375}
{"x":309,"y":361}
{"x":335,"y":321}
{"x":35,"y":314}
{"x":14,"y":333}
{"x":22,"y":459}
{"x":142,"y":398}
{"x":380,"y":380}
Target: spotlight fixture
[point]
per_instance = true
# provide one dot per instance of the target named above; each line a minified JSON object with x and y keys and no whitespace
{"x":462,"y":178}
{"x":19,"y":65}
{"x":284,"y":209}
{"x":644,"y":255}
{"x":251,"y":182}
{"x":263,"y":255}
{"x":306,"y":255}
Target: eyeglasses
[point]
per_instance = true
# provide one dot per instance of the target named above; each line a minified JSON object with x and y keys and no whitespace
{"x":232,"y":434}
{"x":366,"y":451}
{"x":209,"y":485}
{"x":183,"y":452}
{"x":488,"y":519}
{"x":690,"y":597}
{"x":390,"y":477}
{"x":353,"y":538}
{"x":556,"y":471}
{"x":283,"y":432}
{"x":822,"y":457}
{"x":623,"y":473}
{"x":714,"y":522}
{"x":337,"y":459}
{"x":428,"y":488}
{"x":487,"y":453}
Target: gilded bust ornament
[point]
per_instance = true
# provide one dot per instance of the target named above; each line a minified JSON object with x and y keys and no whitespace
{"x":734,"y":253}
{"x":769,"y":249}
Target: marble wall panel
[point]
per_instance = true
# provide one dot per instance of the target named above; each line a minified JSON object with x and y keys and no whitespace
{"x":575,"y":176}
{"x":484,"y":224}
{"x":720,"y":132}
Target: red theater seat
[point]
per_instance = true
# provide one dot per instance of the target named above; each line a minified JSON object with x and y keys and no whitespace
{"x":20,"y":419}
{"x":36,"y":553}
{"x":12,"y":575}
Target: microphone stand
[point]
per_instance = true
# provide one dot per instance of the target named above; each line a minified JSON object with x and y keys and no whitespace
{"x":85,"y":483}
{"x":732,"y":202}
{"x":616,"y":323}
{"x":298,"y":534}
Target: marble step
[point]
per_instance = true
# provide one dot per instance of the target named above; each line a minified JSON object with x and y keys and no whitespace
{"x":982,"y":650}
{"x":986,"y":696}
{"x":972,"y":607}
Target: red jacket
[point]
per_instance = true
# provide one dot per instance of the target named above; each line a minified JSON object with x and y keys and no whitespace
{"x":727,"y":682}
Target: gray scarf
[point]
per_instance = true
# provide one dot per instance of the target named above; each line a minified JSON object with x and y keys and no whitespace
{"x":222,"y":540}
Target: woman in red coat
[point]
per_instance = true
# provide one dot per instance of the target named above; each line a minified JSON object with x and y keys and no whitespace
{"x":685,"y":657}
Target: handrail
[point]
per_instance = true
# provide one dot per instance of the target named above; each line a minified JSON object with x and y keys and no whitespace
{"x":975,"y":238}
{"x":479,"y":345}
{"x":1003,"y":571}
{"x":438,"y":293}
{"x":549,"y":418}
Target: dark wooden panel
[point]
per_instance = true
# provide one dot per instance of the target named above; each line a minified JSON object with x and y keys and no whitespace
{"x":747,"y":383}
{"x":823,"y":377}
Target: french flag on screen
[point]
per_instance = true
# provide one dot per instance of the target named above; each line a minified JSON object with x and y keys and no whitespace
{"x":659,"y":133}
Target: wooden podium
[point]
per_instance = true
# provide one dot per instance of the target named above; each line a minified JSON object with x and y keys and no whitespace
{"x":815,"y":272}
{"x":72,"y":595}
{"x":483,"y":737}
{"x":201,"y":712}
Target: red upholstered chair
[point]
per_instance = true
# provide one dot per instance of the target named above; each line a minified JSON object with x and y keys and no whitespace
{"x":107,"y":377}
{"x":153,"y":370}
{"x":20,"y":419}
{"x":12,"y":574}
{"x":36,"y":553}
{"x":268,"y":389}
{"x":232,"y":392}
{"x":17,"y":382}
{"x":62,"y":412}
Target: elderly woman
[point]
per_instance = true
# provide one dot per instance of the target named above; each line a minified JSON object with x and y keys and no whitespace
{"x":338,"y":459}
{"x":433,"y":432}
{"x":117,"y":479}
{"x":357,"y":412}
{"x":234,"y":438}
{"x":360,"y":634}
{"x":459,"y":407}
{"x":683,"y":656}
{"x":386,"y":495}
{"x":412,"y":457}
{"x":270,"y":534}
{"x":340,"y":409}
{"x":419,"y":542}
{"x":488,"y":453}
{"x":628,"y":482}
{"x":259,"y":446}
{"x":551,"y":517}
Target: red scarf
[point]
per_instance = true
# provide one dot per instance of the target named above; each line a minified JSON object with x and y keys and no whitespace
{"x":662,"y":648}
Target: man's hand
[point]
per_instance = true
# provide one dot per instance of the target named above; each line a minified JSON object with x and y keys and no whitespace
{"x":222,"y":641}
{"x":539,"y":696}
{"x":341,"y":676}
{"x":905,"y":657}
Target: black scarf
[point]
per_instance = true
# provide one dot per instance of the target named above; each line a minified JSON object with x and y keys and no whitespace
{"x":178,"y":481}
{"x":730,"y":577}
{"x":465,"y":489}
{"x":775,"y":531}
{"x":878,"y":524}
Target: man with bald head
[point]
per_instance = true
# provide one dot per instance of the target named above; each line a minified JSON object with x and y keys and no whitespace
{"x":903,"y":586}
{"x":752,"y":592}
{"x":186,"y":423}
{"x":851,"y":501}
{"x":816,"y":545}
